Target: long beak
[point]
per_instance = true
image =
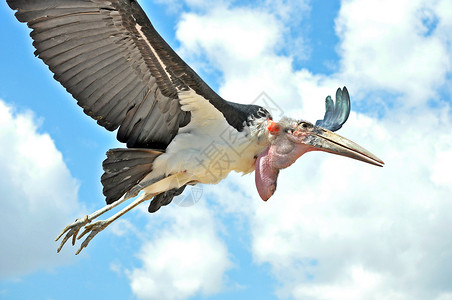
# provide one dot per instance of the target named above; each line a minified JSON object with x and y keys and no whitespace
{"x":325,"y":140}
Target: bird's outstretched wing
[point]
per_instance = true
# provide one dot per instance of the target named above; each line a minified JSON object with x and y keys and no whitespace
{"x":336,"y":114}
{"x":122,"y":73}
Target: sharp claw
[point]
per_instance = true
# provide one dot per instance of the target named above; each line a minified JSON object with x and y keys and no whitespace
{"x":74,"y":236}
{"x":62,"y":232}
{"x":95,"y":228}
{"x":80,"y":249}
{"x":83,"y":233}
{"x":58,"y":237}
{"x":68,"y":235}
{"x":86,"y":242}
{"x":72,"y":230}
{"x":63,"y":242}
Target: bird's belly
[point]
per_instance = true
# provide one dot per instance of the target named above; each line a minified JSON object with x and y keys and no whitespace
{"x":209,"y":158}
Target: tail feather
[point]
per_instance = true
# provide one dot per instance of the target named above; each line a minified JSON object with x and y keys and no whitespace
{"x":124,"y":168}
{"x":164,"y":199}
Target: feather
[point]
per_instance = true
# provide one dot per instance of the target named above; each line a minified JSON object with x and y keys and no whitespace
{"x":123,"y":169}
{"x":164,"y":199}
{"x":336,"y":114}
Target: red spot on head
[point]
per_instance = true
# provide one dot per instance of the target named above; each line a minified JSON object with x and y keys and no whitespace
{"x":272,"y":126}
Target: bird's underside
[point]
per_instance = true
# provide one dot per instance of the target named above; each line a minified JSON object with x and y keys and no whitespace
{"x":178,"y":131}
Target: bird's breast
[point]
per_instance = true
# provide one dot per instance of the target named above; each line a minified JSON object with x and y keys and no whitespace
{"x":211,"y":153}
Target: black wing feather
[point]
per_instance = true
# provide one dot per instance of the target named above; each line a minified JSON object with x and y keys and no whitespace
{"x":96,"y":52}
{"x":122,"y":73}
{"x":336,"y":114}
{"x":164,"y":199}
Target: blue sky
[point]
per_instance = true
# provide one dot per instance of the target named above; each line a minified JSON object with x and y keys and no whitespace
{"x":335,"y":228}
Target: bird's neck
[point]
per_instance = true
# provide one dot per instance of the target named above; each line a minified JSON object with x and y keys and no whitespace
{"x":258,"y":130}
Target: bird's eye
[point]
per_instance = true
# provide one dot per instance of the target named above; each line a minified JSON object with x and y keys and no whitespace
{"x":305,"y":125}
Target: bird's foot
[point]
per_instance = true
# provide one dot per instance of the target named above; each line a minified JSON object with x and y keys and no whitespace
{"x":72,"y":231}
{"x":93,"y":229}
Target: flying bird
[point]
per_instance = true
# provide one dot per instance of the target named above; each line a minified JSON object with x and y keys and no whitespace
{"x":178,"y":131}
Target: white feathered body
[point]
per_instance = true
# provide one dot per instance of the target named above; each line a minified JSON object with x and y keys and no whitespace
{"x":208,"y":148}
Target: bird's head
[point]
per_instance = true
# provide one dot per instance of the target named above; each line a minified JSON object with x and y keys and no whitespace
{"x":290,"y":139}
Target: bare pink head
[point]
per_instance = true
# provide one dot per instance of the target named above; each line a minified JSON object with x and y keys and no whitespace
{"x":290,"y":139}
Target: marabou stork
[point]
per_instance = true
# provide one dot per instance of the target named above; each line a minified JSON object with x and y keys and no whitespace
{"x":107,"y":54}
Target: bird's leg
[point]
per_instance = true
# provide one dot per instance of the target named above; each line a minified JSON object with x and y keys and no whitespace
{"x":158,"y":187}
{"x":96,"y":227}
{"x":73,"y":228}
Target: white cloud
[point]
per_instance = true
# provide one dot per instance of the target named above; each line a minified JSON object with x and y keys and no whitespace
{"x":222,"y":30}
{"x":400,"y":47}
{"x":340,"y":215}
{"x":337,"y":228}
{"x":340,"y":229}
{"x":242,"y":42}
{"x":122,"y":227}
{"x":38,"y":195}
{"x":183,"y":259}
{"x":288,"y":10}
{"x":176,"y":6}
